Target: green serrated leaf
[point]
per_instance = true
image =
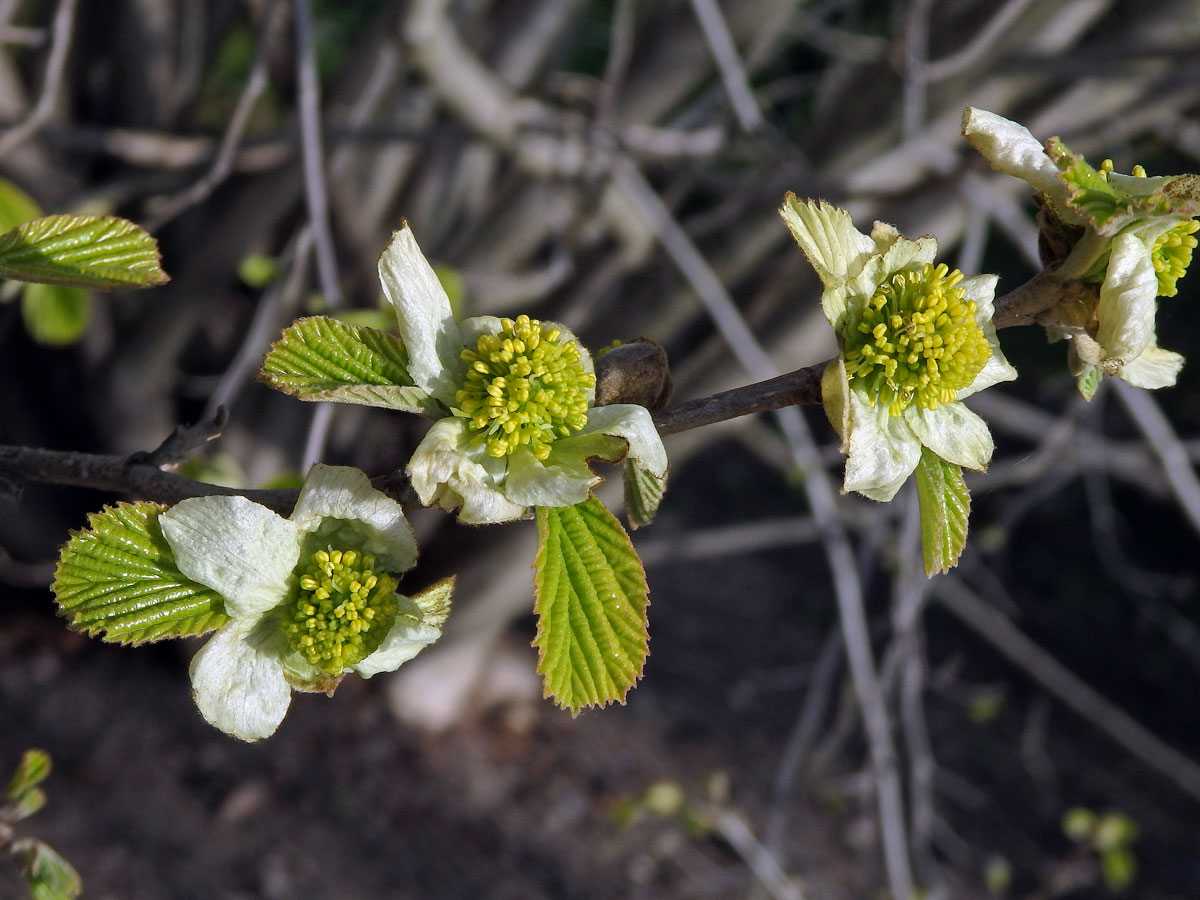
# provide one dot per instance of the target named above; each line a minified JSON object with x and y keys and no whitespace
{"x":84,"y":251}
{"x":945,"y":505}
{"x":16,"y":206}
{"x":1108,"y":208}
{"x":643,"y":493}
{"x":1090,"y":193}
{"x":1088,"y":381}
{"x":118,"y":578}
{"x":33,"y":769}
{"x":50,"y":877}
{"x":320,"y":358}
{"x":55,"y":314}
{"x":591,"y":606}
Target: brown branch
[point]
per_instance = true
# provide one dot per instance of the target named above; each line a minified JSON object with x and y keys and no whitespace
{"x":124,"y":475}
{"x":793,"y":389}
{"x":137,"y":476}
{"x":133,"y":476}
{"x":1021,"y":306}
{"x":1025,"y":304}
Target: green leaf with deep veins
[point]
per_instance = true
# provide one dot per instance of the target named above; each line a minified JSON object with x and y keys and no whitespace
{"x":84,"y":251}
{"x":591,"y":606}
{"x":320,"y":358}
{"x":118,"y":578}
{"x":945,"y":505}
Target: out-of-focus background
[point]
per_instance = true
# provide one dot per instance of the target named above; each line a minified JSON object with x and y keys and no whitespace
{"x":615,"y":165}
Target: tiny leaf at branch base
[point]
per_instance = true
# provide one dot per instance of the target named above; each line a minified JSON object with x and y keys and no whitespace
{"x":118,"y":578}
{"x":945,"y":505}
{"x":320,"y":358}
{"x":643,"y":494}
{"x":591,"y":606}
{"x":84,"y":251}
{"x":32,"y":770}
{"x":1088,"y":381}
{"x":49,"y":876}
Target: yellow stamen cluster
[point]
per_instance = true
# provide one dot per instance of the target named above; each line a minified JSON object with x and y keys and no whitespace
{"x":524,"y":386}
{"x":1172,"y":254}
{"x":916,"y":341}
{"x":343,"y":611}
{"x":1106,"y":169}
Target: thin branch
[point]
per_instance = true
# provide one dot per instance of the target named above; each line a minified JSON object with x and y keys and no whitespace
{"x":24,"y":37}
{"x":265,"y":324}
{"x":315,"y":194}
{"x":996,"y":628}
{"x":183,"y":440}
{"x":1165,"y":444}
{"x":256,"y":83}
{"x":759,"y":859}
{"x":910,"y":593}
{"x":24,"y":574}
{"x":800,"y":387}
{"x":123,"y":475}
{"x":823,"y":502}
{"x":978,"y":45}
{"x":318,"y":435}
{"x":797,"y":388}
{"x":56,"y":65}
{"x":620,"y":51}
{"x":821,"y":689}
{"x":916,"y":50}
{"x":729,"y":64}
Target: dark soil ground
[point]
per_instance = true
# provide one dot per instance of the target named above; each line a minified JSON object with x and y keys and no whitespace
{"x":523,"y":802}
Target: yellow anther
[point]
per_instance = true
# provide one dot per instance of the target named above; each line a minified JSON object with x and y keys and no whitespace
{"x":528,"y":394}
{"x":924,"y":344}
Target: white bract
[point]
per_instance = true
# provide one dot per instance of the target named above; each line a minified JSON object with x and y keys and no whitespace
{"x":311,"y":597}
{"x":1130,"y":233}
{"x":915,"y":338}
{"x":517,"y":424}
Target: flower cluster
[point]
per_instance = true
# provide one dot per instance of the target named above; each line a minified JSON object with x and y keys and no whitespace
{"x":310,"y":597}
{"x":916,"y":339}
{"x":1130,"y":235}
{"x":517,"y":424}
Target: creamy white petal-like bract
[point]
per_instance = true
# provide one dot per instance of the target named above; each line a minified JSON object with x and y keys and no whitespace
{"x":237,"y":688}
{"x":243,"y":551}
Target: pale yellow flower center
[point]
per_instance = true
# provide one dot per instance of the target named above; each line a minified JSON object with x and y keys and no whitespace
{"x":525,"y":386}
{"x":915,"y":341}
{"x":343,"y":610}
{"x":1172,"y":254}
